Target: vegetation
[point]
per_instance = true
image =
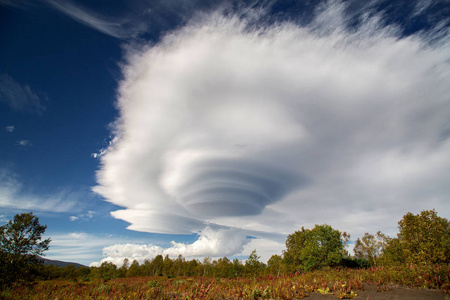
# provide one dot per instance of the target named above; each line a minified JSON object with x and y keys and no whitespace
{"x":371,"y":247}
{"x":342,"y":283}
{"x":315,"y":261}
{"x":20,"y":244}
{"x":310,"y":249}
{"x":424,"y":238}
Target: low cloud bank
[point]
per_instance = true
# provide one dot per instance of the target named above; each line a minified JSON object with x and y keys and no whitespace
{"x":213,"y":243}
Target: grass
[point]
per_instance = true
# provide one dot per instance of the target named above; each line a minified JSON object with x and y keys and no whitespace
{"x":342,"y":283}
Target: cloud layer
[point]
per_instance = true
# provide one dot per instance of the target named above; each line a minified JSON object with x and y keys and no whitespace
{"x":271,"y":128}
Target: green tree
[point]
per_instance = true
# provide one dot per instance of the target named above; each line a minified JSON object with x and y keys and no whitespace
{"x":275,"y":265}
{"x":370,"y":247}
{"x":124,"y":268}
{"x":253,"y":266}
{"x":20,"y":244}
{"x":207,"y":266}
{"x":158,"y":265}
{"x":392,"y":253}
{"x":237,"y":268}
{"x":309,"y":249}
{"x":134,"y":269}
{"x":179,"y":266}
{"x":168,"y":266}
{"x":106,"y":271}
{"x":424,"y":238}
{"x":223,"y":268}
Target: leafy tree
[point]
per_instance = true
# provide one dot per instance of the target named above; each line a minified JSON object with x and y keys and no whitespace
{"x":275,"y":264}
{"x":168,"y":266}
{"x":179,"y":266}
{"x":424,"y":238}
{"x":370,"y":247}
{"x":224,"y":267}
{"x":392,"y":253}
{"x":309,"y":249}
{"x":106,"y":271}
{"x":252,"y":265}
{"x":134,"y":269}
{"x":237,"y":268}
{"x":20,"y":244}
{"x":206,"y":266}
{"x":158,"y":265}
{"x":123,"y":269}
{"x":192,"y":267}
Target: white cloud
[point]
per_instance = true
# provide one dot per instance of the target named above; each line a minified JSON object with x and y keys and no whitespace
{"x":18,"y":97}
{"x":9,"y":128}
{"x":268,"y":130}
{"x":13,"y":196}
{"x":83,"y":217}
{"x":211,"y":242}
{"x":79,"y":247}
{"x":24,"y":143}
{"x":265,"y":248}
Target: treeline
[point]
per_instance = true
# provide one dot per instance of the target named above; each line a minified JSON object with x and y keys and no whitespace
{"x":160,"y":266}
{"x":423,"y":239}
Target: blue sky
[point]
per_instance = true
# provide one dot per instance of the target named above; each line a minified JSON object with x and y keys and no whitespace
{"x":212,"y":128}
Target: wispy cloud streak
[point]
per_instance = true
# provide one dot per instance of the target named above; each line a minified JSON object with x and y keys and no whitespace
{"x":19,"y":97}
{"x":118,"y":28}
{"x":12,"y":196}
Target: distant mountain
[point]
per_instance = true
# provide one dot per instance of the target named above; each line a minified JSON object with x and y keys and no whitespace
{"x":60,"y":263}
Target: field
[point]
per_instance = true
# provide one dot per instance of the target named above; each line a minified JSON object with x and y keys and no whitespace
{"x":413,"y":282}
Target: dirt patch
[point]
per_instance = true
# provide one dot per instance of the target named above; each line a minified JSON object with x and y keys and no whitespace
{"x":393,"y":293}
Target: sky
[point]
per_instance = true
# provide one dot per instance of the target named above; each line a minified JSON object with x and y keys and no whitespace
{"x":213,"y":128}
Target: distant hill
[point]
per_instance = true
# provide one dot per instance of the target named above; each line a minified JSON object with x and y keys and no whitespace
{"x":60,"y":263}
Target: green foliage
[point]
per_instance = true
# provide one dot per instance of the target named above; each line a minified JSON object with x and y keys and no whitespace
{"x":253,"y":266}
{"x":392,"y":253}
{"x":425,"y":238}
{"x":106,"y":271}
{"x":310,"y":249}
{"x":275,"y":265}
{"x":134,"y":269}
{"x":20,"y":244}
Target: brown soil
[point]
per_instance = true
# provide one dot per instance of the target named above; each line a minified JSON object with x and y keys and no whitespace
{"x":393,"y":293}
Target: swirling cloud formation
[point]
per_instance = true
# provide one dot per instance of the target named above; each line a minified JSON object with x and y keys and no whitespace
{"x":267,"y":128}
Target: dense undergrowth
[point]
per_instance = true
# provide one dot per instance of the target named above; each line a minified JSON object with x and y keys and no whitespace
{"x":341,"y":282}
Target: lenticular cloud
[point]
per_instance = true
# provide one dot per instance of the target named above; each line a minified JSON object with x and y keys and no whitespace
{"x":272,"y":128}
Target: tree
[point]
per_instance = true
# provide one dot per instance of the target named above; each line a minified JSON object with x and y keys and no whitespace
{"x":252,"y":265}
{"x":106,"y":271}
{"x":134,"y":269}
{"x":158,"y":265}
{"x":370,"y":247}
{"x":123,"y":269}
{"x":20,"y":244}
{"x":309,"y":249}
{"x":168,"y":266}
{"x":424,"y":238}
{"x":237,"y":268}
{"x":224,"y":267}
{"x":392,"y":253}
{"x":275,"y":264}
